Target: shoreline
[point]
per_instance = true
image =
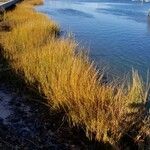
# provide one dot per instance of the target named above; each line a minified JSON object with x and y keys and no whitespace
{"x":72,"y":83}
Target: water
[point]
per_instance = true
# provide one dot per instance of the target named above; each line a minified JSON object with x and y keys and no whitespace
{"x":116,"y":33}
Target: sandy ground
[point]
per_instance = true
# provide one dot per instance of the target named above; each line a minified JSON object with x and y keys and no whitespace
{"x":25,"y":125}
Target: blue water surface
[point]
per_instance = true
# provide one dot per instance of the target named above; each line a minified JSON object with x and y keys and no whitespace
{"x":115,"y":32}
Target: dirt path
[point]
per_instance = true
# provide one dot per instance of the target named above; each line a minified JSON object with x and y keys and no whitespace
{"x":29,"y":125}
{"x":19,"y":128}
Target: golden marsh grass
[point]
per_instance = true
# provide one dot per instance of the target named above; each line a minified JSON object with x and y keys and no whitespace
{"x":69,"y":80}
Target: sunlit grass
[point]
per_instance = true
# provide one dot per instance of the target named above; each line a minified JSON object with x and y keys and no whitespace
{"x":69,"y":80}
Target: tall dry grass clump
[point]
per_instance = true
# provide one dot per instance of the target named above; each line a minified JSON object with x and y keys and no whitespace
{"x":69,"y":81}
{"x":35,"y":2}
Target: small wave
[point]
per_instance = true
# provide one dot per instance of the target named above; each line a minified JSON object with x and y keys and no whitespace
{"x":73,"y":12}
